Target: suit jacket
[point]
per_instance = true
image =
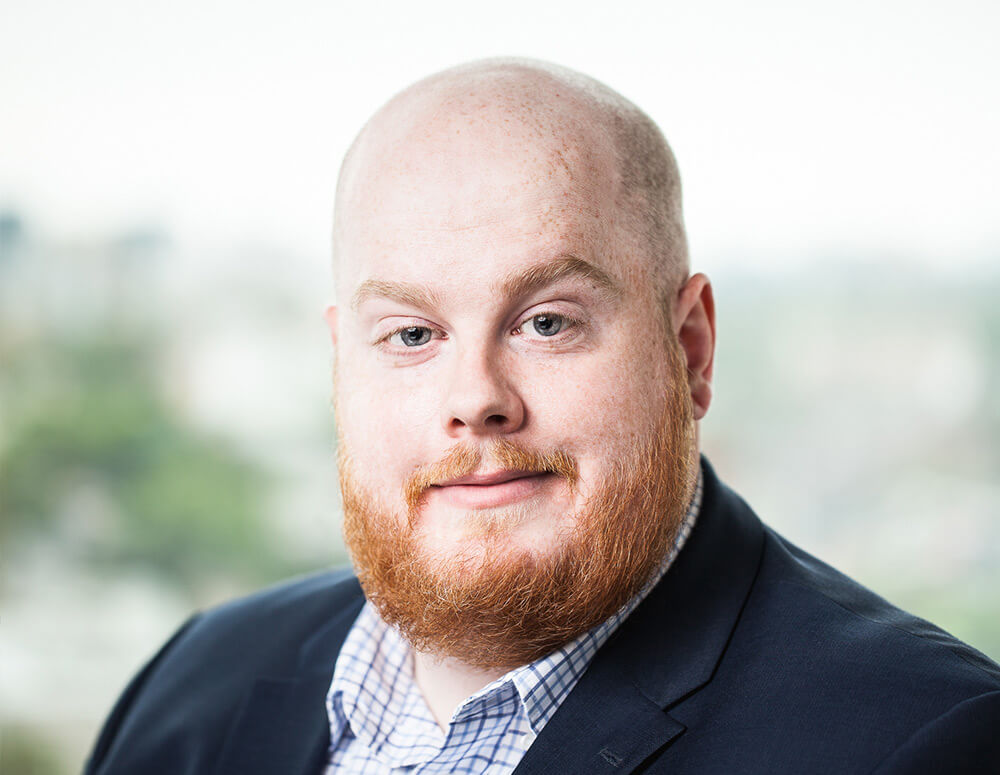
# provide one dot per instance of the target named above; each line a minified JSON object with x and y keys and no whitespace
{"x":750,"y":656}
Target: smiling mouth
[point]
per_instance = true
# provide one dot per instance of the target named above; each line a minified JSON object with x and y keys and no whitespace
{"x":484,"y":491}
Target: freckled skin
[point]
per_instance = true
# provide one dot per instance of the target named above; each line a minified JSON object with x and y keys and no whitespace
{"x":456,"y":197}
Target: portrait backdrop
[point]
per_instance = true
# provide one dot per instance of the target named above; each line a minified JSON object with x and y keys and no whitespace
{"x":166,"y":187}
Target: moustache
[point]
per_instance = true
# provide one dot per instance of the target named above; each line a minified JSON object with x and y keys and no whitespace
{"x":464,"y":459}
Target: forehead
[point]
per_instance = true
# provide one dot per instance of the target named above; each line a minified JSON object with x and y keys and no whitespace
{"x":480,"y":196}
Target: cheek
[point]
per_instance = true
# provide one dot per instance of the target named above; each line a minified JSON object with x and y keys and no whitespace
{"x":601,"y":410}
{"x":383,"y":423}
{"x":603,"y":398}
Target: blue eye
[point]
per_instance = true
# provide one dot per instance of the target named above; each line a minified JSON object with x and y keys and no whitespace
{"x":548,"y":325}
{"x":414,"y":336}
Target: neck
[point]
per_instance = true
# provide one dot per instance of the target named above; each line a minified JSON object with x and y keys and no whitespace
{"x":444,"y":683}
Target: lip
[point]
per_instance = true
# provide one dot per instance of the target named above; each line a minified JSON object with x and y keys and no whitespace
{"x":492,"y":489}
{"x":487,"y":479}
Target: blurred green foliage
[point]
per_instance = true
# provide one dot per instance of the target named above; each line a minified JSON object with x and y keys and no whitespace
{"x":23,"y":752}
{"x":97,"y":455}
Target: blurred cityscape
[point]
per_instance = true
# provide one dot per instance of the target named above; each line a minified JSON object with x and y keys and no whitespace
{"x":166,"y":443}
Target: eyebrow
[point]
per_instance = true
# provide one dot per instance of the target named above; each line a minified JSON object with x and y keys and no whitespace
{"x":515,"y":285}
{"x":523,"y":282}
{"x":411,"y":294}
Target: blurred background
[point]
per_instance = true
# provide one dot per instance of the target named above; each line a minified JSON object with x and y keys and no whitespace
{"x":166,"y":186}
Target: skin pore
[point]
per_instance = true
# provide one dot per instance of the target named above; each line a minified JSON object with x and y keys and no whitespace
{"x":520,"y":358}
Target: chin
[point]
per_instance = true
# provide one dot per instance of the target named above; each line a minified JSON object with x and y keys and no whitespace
{"x":516,"y":532}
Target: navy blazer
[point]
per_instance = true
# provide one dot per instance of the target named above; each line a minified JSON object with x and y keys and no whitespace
{"x":750,"y":656}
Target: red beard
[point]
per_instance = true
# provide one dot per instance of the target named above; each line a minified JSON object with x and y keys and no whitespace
{"x":505,"y":607}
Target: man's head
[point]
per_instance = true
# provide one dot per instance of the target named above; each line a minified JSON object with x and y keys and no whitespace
{"x":521,"y":357}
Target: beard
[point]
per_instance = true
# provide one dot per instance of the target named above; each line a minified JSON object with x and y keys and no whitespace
{"x":501,"y":605}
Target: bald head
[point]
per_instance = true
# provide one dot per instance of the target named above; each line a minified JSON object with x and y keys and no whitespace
{"x":554,"y":122}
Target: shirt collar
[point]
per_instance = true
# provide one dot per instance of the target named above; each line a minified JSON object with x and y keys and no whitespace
{"x":374,"y":696}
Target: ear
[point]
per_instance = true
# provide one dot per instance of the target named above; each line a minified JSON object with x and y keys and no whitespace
{"x":330,"y":315}
{"x":694,"y":327}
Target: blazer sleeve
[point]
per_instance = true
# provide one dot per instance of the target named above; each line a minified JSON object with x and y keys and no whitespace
{"x":125,"y":703}
{"x":963,"y":741}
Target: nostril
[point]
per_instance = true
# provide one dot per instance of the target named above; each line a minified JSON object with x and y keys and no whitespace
{"x":496,"y":419}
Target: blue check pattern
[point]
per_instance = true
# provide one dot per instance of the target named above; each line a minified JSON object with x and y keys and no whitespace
{"x":380,"y":724}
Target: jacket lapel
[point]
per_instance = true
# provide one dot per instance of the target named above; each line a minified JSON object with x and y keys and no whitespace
{"x":617,"y":715}
{"x":606,"y":725}
{"x":283,"y":727}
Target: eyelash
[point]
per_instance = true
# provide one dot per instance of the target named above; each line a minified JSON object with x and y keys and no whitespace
{"x":383,"y":340}
{"x":570,"y":324}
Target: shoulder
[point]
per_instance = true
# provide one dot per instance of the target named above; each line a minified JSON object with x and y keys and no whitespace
{"x":809,"y":604}
{"x":289,"y":610}
{"x":811,"y":620}
{"x":268,"y":629}
{"x":961,"y":740}
{"x":815,"y":672}
{"x":200,"y":678}
{"x":851,"y":677}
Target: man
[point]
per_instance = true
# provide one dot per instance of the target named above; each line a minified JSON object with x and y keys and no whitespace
{"x":553,"y":580}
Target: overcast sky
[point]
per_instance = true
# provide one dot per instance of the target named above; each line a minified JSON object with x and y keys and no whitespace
{"x":803,"y":129}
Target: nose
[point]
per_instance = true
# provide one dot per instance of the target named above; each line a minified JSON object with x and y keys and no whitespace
{"x":481,"y":400}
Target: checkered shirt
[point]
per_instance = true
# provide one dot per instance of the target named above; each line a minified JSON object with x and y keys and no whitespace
{"x":380,"y":724}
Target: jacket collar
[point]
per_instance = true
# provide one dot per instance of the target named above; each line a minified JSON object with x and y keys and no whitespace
{"x":615,"y":717}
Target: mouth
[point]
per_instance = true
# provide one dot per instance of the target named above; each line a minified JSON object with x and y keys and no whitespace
{"x":492,"y":489}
